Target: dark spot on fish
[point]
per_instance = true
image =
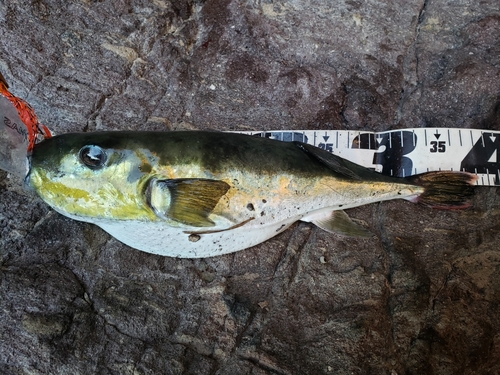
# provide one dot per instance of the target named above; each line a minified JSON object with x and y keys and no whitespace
{"x":280,"y":228}
{"x":340,"y":205}
{"x":250,"y":207}
{"x":194,"y":237}
{"x":262,"y":213}
{"x":145,"y":168}
{"x":399,"y":193}
{"x":264,"y":201}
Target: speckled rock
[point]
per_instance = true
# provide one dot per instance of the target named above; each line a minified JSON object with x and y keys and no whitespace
{"x":420,"y":298}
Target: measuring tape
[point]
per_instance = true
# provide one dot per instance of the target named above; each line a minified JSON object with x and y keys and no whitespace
{"x":408,"y":152}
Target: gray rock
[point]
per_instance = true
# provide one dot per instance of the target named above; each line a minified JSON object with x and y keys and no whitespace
{"x":421,"y":297}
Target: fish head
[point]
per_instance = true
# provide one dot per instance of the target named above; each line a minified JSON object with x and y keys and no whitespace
{"x":93,"y":175}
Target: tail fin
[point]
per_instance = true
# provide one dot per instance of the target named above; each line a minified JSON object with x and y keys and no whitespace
{"x":445,"y":189}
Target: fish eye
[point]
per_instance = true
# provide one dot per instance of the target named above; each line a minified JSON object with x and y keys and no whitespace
{"x":93,"y":157}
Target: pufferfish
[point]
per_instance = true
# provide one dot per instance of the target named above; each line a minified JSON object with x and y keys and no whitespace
{"x":193,"y":194}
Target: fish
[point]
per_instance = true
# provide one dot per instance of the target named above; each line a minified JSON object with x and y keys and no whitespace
{"x":196,"y":194}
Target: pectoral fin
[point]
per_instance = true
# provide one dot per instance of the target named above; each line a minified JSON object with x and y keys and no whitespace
{"x":339,"y":222}
{"x":188,"y":200}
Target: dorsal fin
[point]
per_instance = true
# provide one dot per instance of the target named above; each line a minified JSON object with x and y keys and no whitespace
{"x":341,"y":166}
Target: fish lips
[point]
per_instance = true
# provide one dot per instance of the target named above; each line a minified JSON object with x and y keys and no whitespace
{"x":27,"y":179}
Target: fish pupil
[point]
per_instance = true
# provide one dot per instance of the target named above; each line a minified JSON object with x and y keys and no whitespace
{"x":92,"y":156}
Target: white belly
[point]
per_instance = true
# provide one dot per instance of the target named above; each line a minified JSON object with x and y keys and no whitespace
{"x":159,"y":238}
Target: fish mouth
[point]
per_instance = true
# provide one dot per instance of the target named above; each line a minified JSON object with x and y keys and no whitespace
{"x":27,"y":179}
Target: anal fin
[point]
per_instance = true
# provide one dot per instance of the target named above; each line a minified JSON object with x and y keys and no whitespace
{"x":340,"y":223}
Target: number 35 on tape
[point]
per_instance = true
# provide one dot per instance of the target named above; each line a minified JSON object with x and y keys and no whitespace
{"x":410,"y":151}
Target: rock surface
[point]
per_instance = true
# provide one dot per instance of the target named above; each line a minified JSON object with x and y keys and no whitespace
{"x":421,"y":298}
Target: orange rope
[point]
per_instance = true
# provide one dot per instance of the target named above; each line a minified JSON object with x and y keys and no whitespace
{"x":28,"y":116}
